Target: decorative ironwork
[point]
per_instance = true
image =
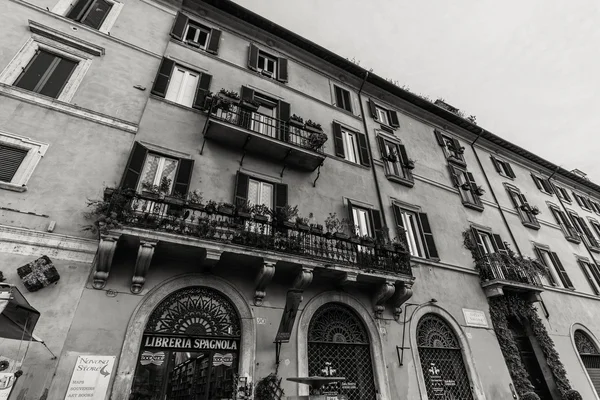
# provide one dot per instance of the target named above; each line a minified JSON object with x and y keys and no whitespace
{"x":441,"y":360}
{"x":501,"y":266}
{"x":584,"y":343}
{"x":338,"y":345}
{"x":195,"y":311}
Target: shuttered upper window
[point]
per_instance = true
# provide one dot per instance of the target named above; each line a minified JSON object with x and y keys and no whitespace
{"x":451,"y":147}
{"x":10,"y":161}
{"x":365,"y":221}
{"x":542,"y":184}
{"x":557,"y":271}
{"x":47,"y":73}
{"x":415,"y":228}
{"x":565,"y":224}
{"x":563,"y":194}
{"x":383,"y":115}
{"x":503,"y":167}
{"x":467,"y":187}
{"x":180,"y":85}
{"x":350,"y":145}
{"x":90,"y":12}
{"x":584,"y":231}
{"x":267,"y":64}
{"x":253,"y":191}
{"x":524,"y":209}
{"x":592,"y":274}
{"x":395,"y":159}
{"x":196,"y":34}
{"x":342,"y":98}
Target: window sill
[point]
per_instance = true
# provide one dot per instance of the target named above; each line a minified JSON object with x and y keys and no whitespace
{"x":456,"y":161}
{"x":356,"y":164}
{"x":162,"y":99}
{"x":12,"y":187}
{"x":506,"y":176}
{"x":400,"y":180}
{"x":546,"y":193}
{"x":531,"y":225}
{"x":573,"y":239}
{"x":472,"y":206}
{"x":595,"y":249}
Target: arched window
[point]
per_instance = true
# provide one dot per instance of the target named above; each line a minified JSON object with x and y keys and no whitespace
{"x":589,"y":355}
{"x":338,"y":345}
{"x":189,"y":348}
{"x":441,"y":360}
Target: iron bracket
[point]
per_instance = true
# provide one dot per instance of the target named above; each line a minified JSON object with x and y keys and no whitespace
{"x":284,"y":164}
{"x":318,"y":175}
{"x":244,"y":149}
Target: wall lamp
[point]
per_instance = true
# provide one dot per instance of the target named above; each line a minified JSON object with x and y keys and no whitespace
{"x":401,"y":352}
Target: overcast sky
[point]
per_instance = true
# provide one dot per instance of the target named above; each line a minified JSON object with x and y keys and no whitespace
{"x":527,"y":69}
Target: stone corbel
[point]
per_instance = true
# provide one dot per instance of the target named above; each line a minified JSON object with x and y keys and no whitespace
{"x":265,"y":275}
{"x":142,"y":264}
{"x":402,"y":294}
{"x":104,"y":259}
{"x":348,"y":278}
{"x":383,"y":294}
{"x":303,"y":279}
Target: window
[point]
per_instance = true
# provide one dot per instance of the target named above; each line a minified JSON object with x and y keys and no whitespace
{"x":18,"y":158}
{"x":467,"y":187}
{"x":583,"y":201}
{"x":595,"y":206}
{"x":47,"y":73}
{"x":526,"y":211}
{"x":562,"y":194}
{"x":10,"y":161}
{"x":584,"y":231}
{"x":452,"y":148}
{"x":383,"y":115}
{"x":396,"y":162}
{"x":342,"y":98}
{"x":555,"y":267}
{"x":487,"y":242}
{"x":503,"y":167}
{"x":366,"y":221}
{"x":350,"y":145}
{"x":260,"y":193}
{"x":592,"y":274}
{"x":90,"y":12}
{"x":565,"y":225}
{"x":542,"y":184}
{"x":414,"y":226}
{"x":595,"y":225}
{"x":158,"y":170}
{"x":180,"y":85}
{"x":251,"y":190}
{"x":263,"y":120}
{"x":267,"y":64}
{"x":195,"y":34}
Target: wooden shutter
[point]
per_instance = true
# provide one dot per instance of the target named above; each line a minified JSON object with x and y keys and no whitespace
{"x":242,"y":181}
{"x":439,"y":137}
{"x":382,"y":146}
{"x":347,"y":100}
{"x":247,"y":94}
{"x":595,"y":272}
{"x":546,"y":186}
{"x":283,"y":114}
{"x":496,"y":164}
{"x":567,"y":195}
{"x":137,"y":157}
{"x":79,"y":9}
{"x":377,"y":224}
{"x":577,"y":199}
{"x":394,"y":122}
{"x":10,"y":161}
{"x":427,"y":236}
{"x":161,"y":83}
{"x":540,"y":257}
{"x":404,"y":161}
{"x":183,"y":177}
{"x":215,"y":40}
{"x":372,"y":109}
{"x":457,"y":147}
{"x":588,"y":233}
{"x":351,"y":217}
{"x":454,"y":176}
{"x":282,"y":69}
{"x":472,"y":183}
{"x":500,"y":246}
{"x":537,"y":182}
{"x":179,"y":25}
{"x":363,"y":150}
{"x":511,"y":173}
{"x":398,"y":218}
{"x":561,"y":271}
{"x":477,"y":239}
{"x":281,"y":196}
{"x":338,"y":140}
{"x":202,"y":91}
{"x":253,"y":57}
{"x":339,"y":97}
{"x":587,"y":276}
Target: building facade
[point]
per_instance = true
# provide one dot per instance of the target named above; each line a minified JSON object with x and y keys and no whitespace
{"x":196,"y":128}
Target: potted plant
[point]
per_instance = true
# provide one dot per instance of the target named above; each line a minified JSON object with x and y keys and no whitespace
{"x":251,"y":104}
{"x":296,"y":121}
{"x":260,"y":213}
{"x":316,"y":140}
{"x":195,"y":200}
{"x":230,"y":95}
{"x":210,"y":207}
{"x":175,"y":199}
{"x":244,"y":210}
{"x":226,"y":208}
{"x":465,"y":186}
{"x":535,"y":210}
{"x":285,"y":215}
{"x":38,"y":274}
{"x":302,"y":223}
{"x":392,"y":157}
{"x":367,"y":241}
{"x":340,"y":234}
{"x":525,"y":207}
{"x":479,"y":191}
{"x":410,"y":164}
{"x":316,"y":229}
{"x":312,"y":126}
{"x":150,"y":191}
{"x":354,"y":238}
{"x":332,"y":224}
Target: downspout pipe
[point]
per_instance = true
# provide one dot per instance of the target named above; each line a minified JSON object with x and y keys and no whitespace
{"x":373,"y":169}
{"x":510,"y":232}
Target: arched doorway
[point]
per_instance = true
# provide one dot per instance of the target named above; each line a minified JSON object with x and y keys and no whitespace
{"x":529,"y":359}
{"x":588,"y":351}
{"x":190,"y":348}
{"x":338,"y":345}
{"x":441,"y":360}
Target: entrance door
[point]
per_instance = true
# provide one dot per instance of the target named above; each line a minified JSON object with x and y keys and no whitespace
{"x":189,"y":349}
{"x":590,"y":356}
{"x":529,"y":359}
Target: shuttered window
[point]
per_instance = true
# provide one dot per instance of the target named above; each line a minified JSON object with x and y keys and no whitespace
{"x":351,"y":145}
{"x":451,"y":146}
{"x":46,"y":73}
{"x":583,"y":230}
{"x":383,"y":115}
{"x":342,"y":98}
{"x":180,"y":85}
{"x":467,"y":187}
{"x":542,"y":184}
{"x":10,"y":161}
{"x":395,"y":160}
{"x":524,"y":209}
{"x":552,"y":262}
{"x":415,"y":227}
{"x":366,"y":221}
{"x":503,"y":167}
{"x":90,"y":12}
{"x":253,"y":191}
{"x":195,"y":34}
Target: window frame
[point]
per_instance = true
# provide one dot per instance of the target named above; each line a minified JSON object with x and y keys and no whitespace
{"x":35,"y":151}
{"x":406,"y":177}
{"x":557,"y":279}
{"x":562,"y":194}
{"x":564,"y":223}
{"x":591,"y":272}
{"x":582,"y":201}
{"x":504,"y":168}
{"x":199,"y":28}
{"x":351,"y":136}
{"x":187,"y":73}
{"x":445,"y":141}
{"x":476,"y":204}
{"x":349,"y":105}
{"x":160,"y":167}
{"x":383,"y":115}
{"x":268,"y":57}
{"x":416,"y":231}
{"x":63,"y":7}
{"x":539,"y":183}
{"x":579,"y":224}
{"x":528,"y":219}
{"x":13,"y":70}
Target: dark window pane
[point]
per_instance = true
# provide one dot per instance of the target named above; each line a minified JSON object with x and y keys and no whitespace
{"x":96,"y":14}
{"x":78,"y":10}
{"x":10,"y":160}
{"x":338,"y":97}
{"x":347,"y":105}
{"x":35,"y":70}
{"x":58,"y":78}
{"x":191,"y":34}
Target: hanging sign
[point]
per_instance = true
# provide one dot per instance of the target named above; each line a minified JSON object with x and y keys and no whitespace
{"x":222,"y":359}
{"x":475,"y":318}
{"x":292,"y":302}
{"x":90,"y":377}
{"x":189,"y":343}
{"x":152,"y":358}
{"x":6,"y":384}
{"x":437,"y":383}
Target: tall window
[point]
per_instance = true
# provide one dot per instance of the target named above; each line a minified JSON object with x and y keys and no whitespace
{"x":158,"y":169}
{"x":10,"y":161}
{"x":382,"y":115}
{"x":583,"y":201}
{"x":565,"y":225}
{"x":556,"y":270}
{"x":467,"y":187}
{"x":542,"y":184}
{"x":342,"y":98}
{"x":592,"y":274}
{"x":452,"y":148}
{"x":267,"y":64}
{"x":395,"y":158}
{"x":415,"y":228}
{"x":524,"y":209}
{"x":338,"y":345}
{"x":46,"y":73}
{"x":590,"y":355}
{"x":503,"y":167}
{"x":441,"y":360}
{"x":197,"y":35}
{"x":584,"y":231}
{"x":182,"y":86}
{"x":90,"y":12}
{"x":260,"y":193}
{"x":350,"y":146}
{"x":263,"y":120}
{"x":412,"y":231}
{"x":562,"y":193}
{"x":362,"y":220}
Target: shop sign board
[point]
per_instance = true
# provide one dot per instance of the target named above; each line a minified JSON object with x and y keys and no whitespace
{"x":90,"y":377}
{"x":189,"y":343}
{"x":475,"y":318}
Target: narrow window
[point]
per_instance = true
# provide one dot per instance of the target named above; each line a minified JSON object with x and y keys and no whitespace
{"x":90,"y":12}
{"x":413,"y":233}
{"x":524,"y":209}
{"x":362,"y":221}
{"x":592,"y":274}
{"x":554,"y":265}
{"x":47,"y":74}
{"x":158,"y":170}
{"x":197,"y":35}
{"x":182,"y":87}
{"x":263,"y":119}
{"x":563,"y":194}
{"x":342,"y":99}
{"x":10,"y":161}
{"x":350,"y":146}
{"x":382,"y":115}
{"x":267,"y":64}
{"x":260,"y":193}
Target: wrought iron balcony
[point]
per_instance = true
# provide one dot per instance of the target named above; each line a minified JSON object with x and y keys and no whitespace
{"x":499,"y":272}
{"x":288,"y":142}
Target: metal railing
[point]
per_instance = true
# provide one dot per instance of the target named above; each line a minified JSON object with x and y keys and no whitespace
{"x":259,"y":232}
{"x":502,"y":266}
{"x":285,"y":131}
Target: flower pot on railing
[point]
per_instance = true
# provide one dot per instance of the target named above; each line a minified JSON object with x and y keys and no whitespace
{"x":108,"y":192}
{"x":229,"y":95}
{"x":196,"y":206}
{"x":174,"y":200}
{"x":340,"y":235}
{"x":226,"y":209}
{"x":479,"y":191}
{"x":316,"y":140}
{"x":288,"y":224}
{"x":316,"y":229}
{"x":296,"y":122}
{"x":38,"y":274}
{"x":535,"y":211}
{"x":150,"y":195}
{"x":465,"y":186}
{"x":525,"y":207}
{"x":354,"y":239}
{"x":410,"y":165}
{"x":367,"y":241}
{"x":242,"y":213}
{"x":261,"y":218}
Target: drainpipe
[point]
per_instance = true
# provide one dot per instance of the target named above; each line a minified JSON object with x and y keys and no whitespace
{"x":494,"y":194}
{"x":362,"y":112}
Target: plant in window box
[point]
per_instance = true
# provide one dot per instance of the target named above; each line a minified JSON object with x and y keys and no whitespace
{"x":410,"y":164}
{"x":525,"y":207}
{"x":176,"y":199}
{"x":392,"y":157}
{"x":333,"y":225}
{"x":535,"y":210}
{"x":316,"y":140}
{"x":354,"y":238}
{"x":210,"y":207}
{"x":195,"y":200}
{"x":244,"y":210}
{"x":260,"y":213}
{"x":367,"y":241}
{"x":465,"y":186}
{"x":296,"y":121}
{"x":226,"y":208}
{"x":232,"y":96}
{"x":479,"y":191}
{"x":312,"y":126}
{"x":303,"y":223}
{"x":150,"y":191}
{"x":285,"y":215}
{"x":316,"y":229}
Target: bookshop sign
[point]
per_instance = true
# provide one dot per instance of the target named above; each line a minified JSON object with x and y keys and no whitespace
{"x":189,"y":343}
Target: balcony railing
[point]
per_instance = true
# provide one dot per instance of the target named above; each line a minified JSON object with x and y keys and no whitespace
{"x":502,"y":267}
{"x":258,"y":232}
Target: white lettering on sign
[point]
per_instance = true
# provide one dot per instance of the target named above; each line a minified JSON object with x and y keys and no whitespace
{"x":261,"y":321}
{"x":190,"y":343}
{"x":90,"y":377}
{"x":475,"y":318}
